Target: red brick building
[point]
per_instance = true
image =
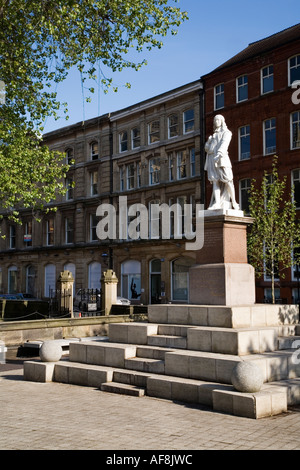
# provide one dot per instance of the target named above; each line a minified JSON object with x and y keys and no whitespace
{"x":257,"y":93}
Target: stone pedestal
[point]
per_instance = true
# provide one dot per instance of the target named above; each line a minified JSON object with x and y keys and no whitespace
{"x":109,"y":282}
{"x":66,"y":282}
{"x":222,"y":275}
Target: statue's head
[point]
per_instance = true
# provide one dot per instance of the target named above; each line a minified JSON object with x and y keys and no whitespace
{"x":219,"y":121}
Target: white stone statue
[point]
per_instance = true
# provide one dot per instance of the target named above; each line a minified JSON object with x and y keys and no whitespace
{"x":218,"y":167}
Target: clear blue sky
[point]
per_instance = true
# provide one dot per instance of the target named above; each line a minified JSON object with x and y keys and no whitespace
{"x":216,"y":30}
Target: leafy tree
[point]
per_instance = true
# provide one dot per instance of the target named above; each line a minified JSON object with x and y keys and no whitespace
{"x":274,"y":236}
{"x":40,"y":41}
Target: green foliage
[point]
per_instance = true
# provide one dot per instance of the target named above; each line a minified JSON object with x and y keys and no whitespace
{"x":40,"y":41}
{"x":274,"y":237}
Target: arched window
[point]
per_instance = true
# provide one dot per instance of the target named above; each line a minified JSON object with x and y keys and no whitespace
{"x":30,"y":280}
{"x":12,"y":280}
{"x":94,"y":281}
{"x":131,"y":279}
{"x":50,"y":279}
{"x":180,"y":278}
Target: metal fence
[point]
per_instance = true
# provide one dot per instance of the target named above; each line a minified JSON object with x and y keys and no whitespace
{"x":59,"y":303}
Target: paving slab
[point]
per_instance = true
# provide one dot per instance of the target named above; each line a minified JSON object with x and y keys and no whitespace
{"x":56,"y":416}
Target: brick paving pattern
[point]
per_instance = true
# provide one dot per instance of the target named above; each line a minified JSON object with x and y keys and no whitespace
{"x":55,"y":416}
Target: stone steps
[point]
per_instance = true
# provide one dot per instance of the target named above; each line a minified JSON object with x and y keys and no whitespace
{"x":216,"y":367}
{"x":188,"y":353}
{"x":236,"y":341}
{"x":272,"y":399}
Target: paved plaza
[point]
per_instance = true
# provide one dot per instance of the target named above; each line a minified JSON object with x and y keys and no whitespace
{"x":55,"y":416}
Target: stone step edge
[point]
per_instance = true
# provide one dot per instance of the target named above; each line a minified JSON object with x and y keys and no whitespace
{"x":210,"y":385}
{"x":123,"y":389}
{"x":273,"y":398}
{"x":220,"y":328}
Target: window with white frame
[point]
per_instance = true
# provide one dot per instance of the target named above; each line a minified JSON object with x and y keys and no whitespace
{"x":69,"y":230}
{"x":188,"y":121}
{"x":269,"y":136}
{"x":267,"y":79}
{"x":192,"y":162}
{"x":173,"y":127}
{"x":130,"y":176}
{"x":154,"y":171}
{"x":244,"y":142}
{"x":131,"y":279}
{"x":94,"y":152}
{"x":94,"y":183}
{"x":50,"y":232}
{"x":123,"y":141}
{"x":12,"y":280}
{"x":50,"y":279}
{"x":70,"y":188}
{"x":30,"y":279}
{"x":135,"y":137}
{"x":295,"y":130}
{"x":242,"y":88}
{"x":294,"y":69}
{"x":219,"y":96}
{"x":93,"y":225}
{"x":296,"y":186}
{"x":181,"y":165}
{"x":12,"y":236}
{"x":94,"y":275}
{"x":244,"y":187}
{"x":153,"y":132}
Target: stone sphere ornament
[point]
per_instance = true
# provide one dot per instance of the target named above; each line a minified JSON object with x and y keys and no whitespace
{"x":50,"y":351}
{"x":247,"y":377}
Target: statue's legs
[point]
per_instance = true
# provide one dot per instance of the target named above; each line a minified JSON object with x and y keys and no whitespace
{"x":216,"y":196}
{"x":231,"y":191}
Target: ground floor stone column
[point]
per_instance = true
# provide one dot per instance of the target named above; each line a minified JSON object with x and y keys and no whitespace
{"x":109,"y":283}
{"x":65,"y":283}
{"x":222,"y":275}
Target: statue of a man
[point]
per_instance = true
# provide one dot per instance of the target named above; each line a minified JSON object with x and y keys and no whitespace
{"x":218,"y":166}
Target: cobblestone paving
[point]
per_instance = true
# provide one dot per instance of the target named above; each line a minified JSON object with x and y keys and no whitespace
{"x":54,"y":416}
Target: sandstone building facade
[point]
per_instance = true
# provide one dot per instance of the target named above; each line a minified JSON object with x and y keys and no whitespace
{"x":147,"y":153}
